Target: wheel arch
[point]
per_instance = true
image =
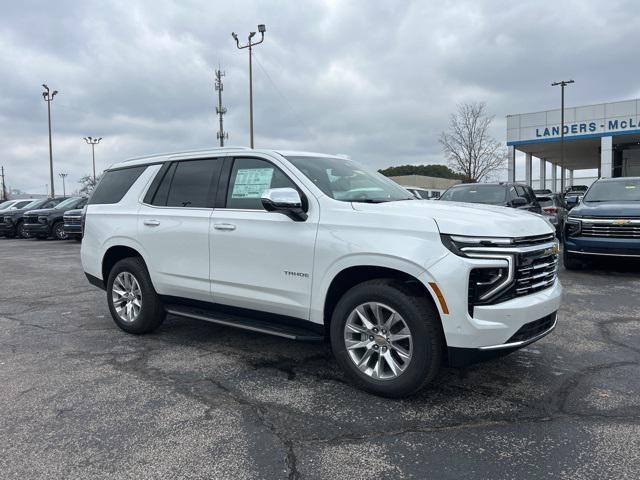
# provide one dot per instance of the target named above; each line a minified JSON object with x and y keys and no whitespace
{"x":354,"y":275}
{"x":114,"y":254}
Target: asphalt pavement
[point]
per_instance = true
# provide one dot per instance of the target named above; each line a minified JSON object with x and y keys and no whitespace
{"x":79,"y":398}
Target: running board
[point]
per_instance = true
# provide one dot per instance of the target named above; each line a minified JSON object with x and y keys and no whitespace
{"x":245,"y":323}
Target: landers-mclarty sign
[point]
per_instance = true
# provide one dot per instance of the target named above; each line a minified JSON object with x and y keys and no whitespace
{"x":589,"y":127}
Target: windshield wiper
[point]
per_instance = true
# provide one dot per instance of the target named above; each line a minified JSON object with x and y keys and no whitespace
{"x":368,"y":200}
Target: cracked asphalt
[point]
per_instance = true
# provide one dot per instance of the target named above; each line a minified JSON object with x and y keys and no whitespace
{"x":81,"y":399}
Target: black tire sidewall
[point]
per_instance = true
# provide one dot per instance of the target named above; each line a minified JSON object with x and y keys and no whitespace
{"x":425,"y":358}
{"x":151,"y":312}
{"x":55,"y":228}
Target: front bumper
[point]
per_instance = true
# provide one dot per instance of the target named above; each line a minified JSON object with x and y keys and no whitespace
{"x":7,"y":229}
{"x":597,"y":246}
{"x":73,"y":229}
{"x":35,"y":229}
{"x":490,"y":327}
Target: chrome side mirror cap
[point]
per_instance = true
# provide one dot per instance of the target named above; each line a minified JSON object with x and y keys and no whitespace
{"x":286,"y":201}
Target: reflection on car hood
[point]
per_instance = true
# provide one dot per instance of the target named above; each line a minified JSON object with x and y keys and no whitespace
{"x":41,"y":211}
{"x":467,"y":218}
{"x":606,"y":209}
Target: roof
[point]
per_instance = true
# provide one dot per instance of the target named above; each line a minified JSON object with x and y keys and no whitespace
{"x":201,"y":153}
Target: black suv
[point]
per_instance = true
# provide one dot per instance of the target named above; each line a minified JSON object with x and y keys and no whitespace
{"x":12,"y":222}
{"x":504,"y":194}
{"x":48,"y":222}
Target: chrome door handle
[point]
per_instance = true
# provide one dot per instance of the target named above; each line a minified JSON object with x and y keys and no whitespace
{"x":152,"y":223}
{"x":224,"y":226}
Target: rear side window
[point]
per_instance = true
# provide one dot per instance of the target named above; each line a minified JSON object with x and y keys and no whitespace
{"x":114,"y":184}
{"x":189,"y":183}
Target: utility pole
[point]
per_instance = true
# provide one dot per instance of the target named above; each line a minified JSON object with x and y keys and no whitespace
{"x":4,"y":188}
{"x":562,"y":83}
{"x":93,"y":142}
{"x":48,"y":97}
{"x":249,"y":45}
{"x":220,"y":110}
{"x":64,"y":188}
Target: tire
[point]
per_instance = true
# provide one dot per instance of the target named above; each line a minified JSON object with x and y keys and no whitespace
{"x":20,"y":231}
{"x":150,"y":312}
{"x":417,"y":313}
{"x":571,"y":262}
{"x":58,"y":231}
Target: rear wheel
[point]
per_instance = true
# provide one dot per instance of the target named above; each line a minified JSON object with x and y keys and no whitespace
{"x":134,"y":304}
{"x":58,"y":231}
{"x":387,"y":338}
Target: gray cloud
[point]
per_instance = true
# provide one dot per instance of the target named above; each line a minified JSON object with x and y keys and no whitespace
{"x":375,"y":80}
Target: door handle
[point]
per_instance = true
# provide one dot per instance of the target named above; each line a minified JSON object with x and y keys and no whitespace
{"x":151,"y":223}
{"x":224,"y":226}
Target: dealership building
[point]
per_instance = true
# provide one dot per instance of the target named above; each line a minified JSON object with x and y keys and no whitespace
{"x":602,"y":138}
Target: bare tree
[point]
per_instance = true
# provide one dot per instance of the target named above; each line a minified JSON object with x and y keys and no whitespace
{"x":87,"y":184}
{"x":469,"y":148}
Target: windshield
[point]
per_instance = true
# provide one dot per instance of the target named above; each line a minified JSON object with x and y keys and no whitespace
{"x":7,"y":204}
{"x":34,"y":204}
{"x":348,"y":181}
{"x":489,"y":194}
{"x":623,"y":190}
{"x":69,"y":202}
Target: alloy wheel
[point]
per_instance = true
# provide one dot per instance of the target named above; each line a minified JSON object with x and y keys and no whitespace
{"x":378,"y":341}
{"x":126,"y":296}
{"x":60,"y":233}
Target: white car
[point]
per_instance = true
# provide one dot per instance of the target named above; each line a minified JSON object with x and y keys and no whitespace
{"x":308,"y":246}
{"x":15,"y":204}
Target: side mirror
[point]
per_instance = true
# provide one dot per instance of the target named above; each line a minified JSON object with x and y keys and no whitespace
{"x":286,"y":201}
{"x":518,"y":202}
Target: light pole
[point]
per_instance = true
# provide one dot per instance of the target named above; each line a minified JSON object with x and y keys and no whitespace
{"x":64,"y":188}
{"x":250,"y":45}
{"x":93,"y":142}
{"x":562,"y":83}
{"x":48,"y":97}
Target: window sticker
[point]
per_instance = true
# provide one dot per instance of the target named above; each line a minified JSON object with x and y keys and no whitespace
{"x":251,"y":182}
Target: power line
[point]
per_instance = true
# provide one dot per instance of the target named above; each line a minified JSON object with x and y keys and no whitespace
{"x":279,"y":92}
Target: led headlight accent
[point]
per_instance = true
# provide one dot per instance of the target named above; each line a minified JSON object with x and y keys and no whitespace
{"x":573,"y":226}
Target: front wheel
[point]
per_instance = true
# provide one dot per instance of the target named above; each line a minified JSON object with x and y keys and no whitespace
{"x":58,"y":231}
{"x":133,"y":302}
{"x":20,"y":231}
{"x":387,"y":337}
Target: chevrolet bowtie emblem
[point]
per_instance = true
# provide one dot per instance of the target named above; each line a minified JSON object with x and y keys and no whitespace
{"x":621,"y":222}
{"x":552,"y":250}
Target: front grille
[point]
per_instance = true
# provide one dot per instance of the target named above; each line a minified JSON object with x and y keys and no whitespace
{"x":611,"y":228}
{"x":1,"y":219}
{"x":73,"y":221}
{"x":534,"y":240}
{"x":533,"y":329}
{"x":535,"y":274}
{"x":30,"y":219}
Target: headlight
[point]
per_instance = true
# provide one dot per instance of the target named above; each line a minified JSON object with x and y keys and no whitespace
{"x":42,"y":219}
{"x":8,"y":220}
{"x":573,"y":226}
{"x":456,"y":243}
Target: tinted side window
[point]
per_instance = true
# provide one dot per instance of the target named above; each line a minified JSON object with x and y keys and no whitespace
{"x":114,"y":185}
{"x":521,"y":193}
{"x":160,"y":197}
{"x":512,"y":193}
{"x":192,"y":183}
{"x":249,"y":178}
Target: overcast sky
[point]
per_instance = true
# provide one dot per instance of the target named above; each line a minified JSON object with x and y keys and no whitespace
{"x":375,"y":80}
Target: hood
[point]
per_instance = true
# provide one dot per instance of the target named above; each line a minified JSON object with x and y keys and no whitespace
{"x":75,"y":211}
{"x":606,"y":209}
{"x":41,"y":211}
{"x":471,"y":219}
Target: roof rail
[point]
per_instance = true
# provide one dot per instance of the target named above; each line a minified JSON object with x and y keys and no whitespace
{"x":185,"y":152}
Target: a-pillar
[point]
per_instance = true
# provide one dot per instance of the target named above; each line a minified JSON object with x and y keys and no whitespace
{"x":606,"y":157}
{"x":527,"y":169}
{"x":511,"y":163}
{"x":543,"y":174}
{"x":554,"y":177}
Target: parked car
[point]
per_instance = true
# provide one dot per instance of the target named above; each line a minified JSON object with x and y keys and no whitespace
{"x":555,"y":210}
{"x":545,"y":192}
{"x":575,"y":190}
{"x":12,"y":221}
{"x":503,"y":194}
{"x":423,"y":193}
{"x":305,"y":246}
{"x":605,"y":224}
{"x":48,"y":222}
{"x":14,"y":204}
{"x":73,"y":220}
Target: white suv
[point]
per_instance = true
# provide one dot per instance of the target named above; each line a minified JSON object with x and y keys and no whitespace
{"x":308,"y":246}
